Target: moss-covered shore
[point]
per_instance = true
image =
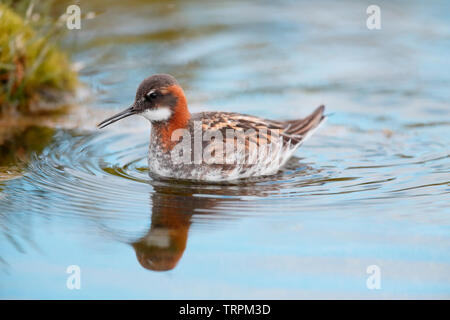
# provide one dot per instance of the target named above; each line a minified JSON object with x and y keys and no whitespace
{"x":34,"y":71}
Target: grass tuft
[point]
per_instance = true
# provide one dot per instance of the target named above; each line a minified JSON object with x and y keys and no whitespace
{"x":33,"y":69}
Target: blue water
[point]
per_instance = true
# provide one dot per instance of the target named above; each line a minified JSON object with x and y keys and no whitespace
{"x":371,"y":187}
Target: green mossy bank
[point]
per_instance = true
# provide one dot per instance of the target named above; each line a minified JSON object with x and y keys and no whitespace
{"x":33,"y":71}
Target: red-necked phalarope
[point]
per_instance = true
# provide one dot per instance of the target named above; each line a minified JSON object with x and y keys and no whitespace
{"x":212,"y":146}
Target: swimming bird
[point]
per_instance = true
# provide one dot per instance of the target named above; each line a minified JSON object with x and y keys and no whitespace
{"x":211,"y":146}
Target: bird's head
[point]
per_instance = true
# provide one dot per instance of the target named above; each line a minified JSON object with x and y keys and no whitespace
{"x":159,"y":98}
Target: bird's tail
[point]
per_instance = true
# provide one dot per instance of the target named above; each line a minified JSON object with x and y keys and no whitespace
{"x":304,"y":127}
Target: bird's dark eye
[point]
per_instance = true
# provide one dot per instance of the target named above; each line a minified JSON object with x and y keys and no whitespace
{"x":151,"y":95}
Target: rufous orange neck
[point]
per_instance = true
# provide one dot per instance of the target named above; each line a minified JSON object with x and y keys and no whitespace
{"x":178,"y":120}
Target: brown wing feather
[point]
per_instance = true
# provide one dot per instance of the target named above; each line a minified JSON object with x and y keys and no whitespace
{"x":303,"y":126}
{"x":292,"y":130}
{"x":256,"y":132}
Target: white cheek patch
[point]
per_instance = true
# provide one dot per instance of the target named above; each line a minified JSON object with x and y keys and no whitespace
{"x":158,"y":237}
{"x":158,"y":114}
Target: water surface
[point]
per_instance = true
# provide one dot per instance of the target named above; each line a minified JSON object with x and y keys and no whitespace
{"x":371,"y":187}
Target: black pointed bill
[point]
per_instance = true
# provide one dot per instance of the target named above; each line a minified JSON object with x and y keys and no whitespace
{"x":126,"y":113}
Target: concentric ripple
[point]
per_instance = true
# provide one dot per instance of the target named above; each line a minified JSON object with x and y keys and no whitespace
{"x":370,"y":187}
{"x":103,"y":176}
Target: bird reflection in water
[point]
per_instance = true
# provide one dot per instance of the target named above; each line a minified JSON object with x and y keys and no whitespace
{"x":163,"y":245}
{"x":173,"y":206}
{"x":172,"y":209}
